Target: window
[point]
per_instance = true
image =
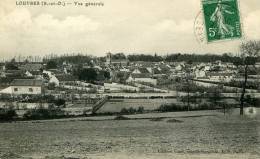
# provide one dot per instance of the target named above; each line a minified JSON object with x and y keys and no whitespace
{"x":30,"y":90}
{"x":15,"y":89}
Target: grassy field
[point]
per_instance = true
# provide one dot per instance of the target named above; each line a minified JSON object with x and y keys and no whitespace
{"x":116,"y":105}
{"x":200,"y":134}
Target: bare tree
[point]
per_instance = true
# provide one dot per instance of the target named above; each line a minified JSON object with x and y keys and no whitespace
{"x":188,"y":81}
{"x":249,"y":53}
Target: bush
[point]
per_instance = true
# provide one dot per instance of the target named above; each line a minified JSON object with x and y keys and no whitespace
{"x":42,"y":99}
{"x":171,"y":108}
{"x":59,"y":102}
{"x":7,"y":114}
{"x":44,"y":113}
{"x":205,"y":106}
{"x":6,"y":97}
{"x":51,"y":65}
{"x":132,"y":110}
{"x":140,"y":110}
{"x":51,"y":86}
{"x":120,"y":117}
{"x":175,"y":108}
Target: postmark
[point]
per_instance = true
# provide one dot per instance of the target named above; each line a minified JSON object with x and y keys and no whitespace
{"x":221,"y":19}
{"x":199,"y":29}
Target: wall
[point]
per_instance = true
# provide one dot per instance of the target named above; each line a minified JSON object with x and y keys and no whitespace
{"x":25,"y":90}
{"x":146,"y":80}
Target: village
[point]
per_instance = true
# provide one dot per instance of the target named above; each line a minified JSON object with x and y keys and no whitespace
{"x":129,"y":79}
{"x":115,"y":84}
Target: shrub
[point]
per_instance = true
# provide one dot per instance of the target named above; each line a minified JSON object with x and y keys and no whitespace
{"x":6,"y":97}
{"x":7,"y":114}
{"x":59,"y":102}
{"x":171,"y":108}
{"x":44,"y":113}
{"x":51,"y":86}
{"x":205,"y":106}
{"x":132,"y":110}
{"x":140,"y":109}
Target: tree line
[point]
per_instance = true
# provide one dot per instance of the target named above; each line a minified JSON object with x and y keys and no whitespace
{"x":174,"y":57}
{"x":178,"y":57}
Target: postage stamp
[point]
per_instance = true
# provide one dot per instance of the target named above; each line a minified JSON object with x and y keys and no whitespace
{"x":222,"y":20}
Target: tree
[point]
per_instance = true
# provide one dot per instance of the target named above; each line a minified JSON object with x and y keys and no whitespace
{"x":51,"y":65}
{"x":51,"y":86}
{"x":13,"y":60}
{"x":120,"y":77}
{"x":7,"y":114}
{"x":107,"y":74}
{"x":119,"y":56}
{"x":11,"y":66}
{"x":187,"y":70}
{"x":88,"y":74}
{"x":215,"y":96}
{"x":249,"y":53}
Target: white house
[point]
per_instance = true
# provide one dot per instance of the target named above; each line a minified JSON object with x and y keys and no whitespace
{"x":24,"y":86}
{"x":54,"y":79}
{"x":219,"y":76}
{"x":28,"y":74}
{"x":143,"y":78}
{"x":200,"y":72}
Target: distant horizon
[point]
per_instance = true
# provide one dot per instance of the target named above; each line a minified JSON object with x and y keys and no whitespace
{"x":53,"y":55}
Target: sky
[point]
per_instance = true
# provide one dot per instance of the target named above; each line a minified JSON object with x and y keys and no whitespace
{"x":129,"y":26}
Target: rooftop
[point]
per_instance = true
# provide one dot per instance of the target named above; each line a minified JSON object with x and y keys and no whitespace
{"x":31,"y":67}
{"x":141,"y":75}
{"x":26,"y":82}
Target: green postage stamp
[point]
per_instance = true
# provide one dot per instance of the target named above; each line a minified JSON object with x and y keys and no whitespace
{"x":222,"y":20}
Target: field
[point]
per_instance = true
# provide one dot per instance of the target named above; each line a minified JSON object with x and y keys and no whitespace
{"x":199,"y":134}
{"x":116,"y":105}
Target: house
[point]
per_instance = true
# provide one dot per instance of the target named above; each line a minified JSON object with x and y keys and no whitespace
{"x":28,"y":74}
{"x":24,"y":86}
{"x":179,"y":66}
{"x":124,"y":70}
{"x":14,"y":73}
{"x":37,"y":74}
{"x":200,"y":72}
{"x":64,"y":78}
{"x":141,"y":78}
{"x":54,"y":79}
{"x":110,"y":60}
{"x":257,"y":64}
{"x":67,"y":67}
{"x":55,"y":71}
{"x":219,"y":76}
{"x":31,"y":67}
{"x":141,"y":70}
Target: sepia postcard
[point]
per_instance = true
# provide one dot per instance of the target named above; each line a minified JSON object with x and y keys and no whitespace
{"x":129,"y":79}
